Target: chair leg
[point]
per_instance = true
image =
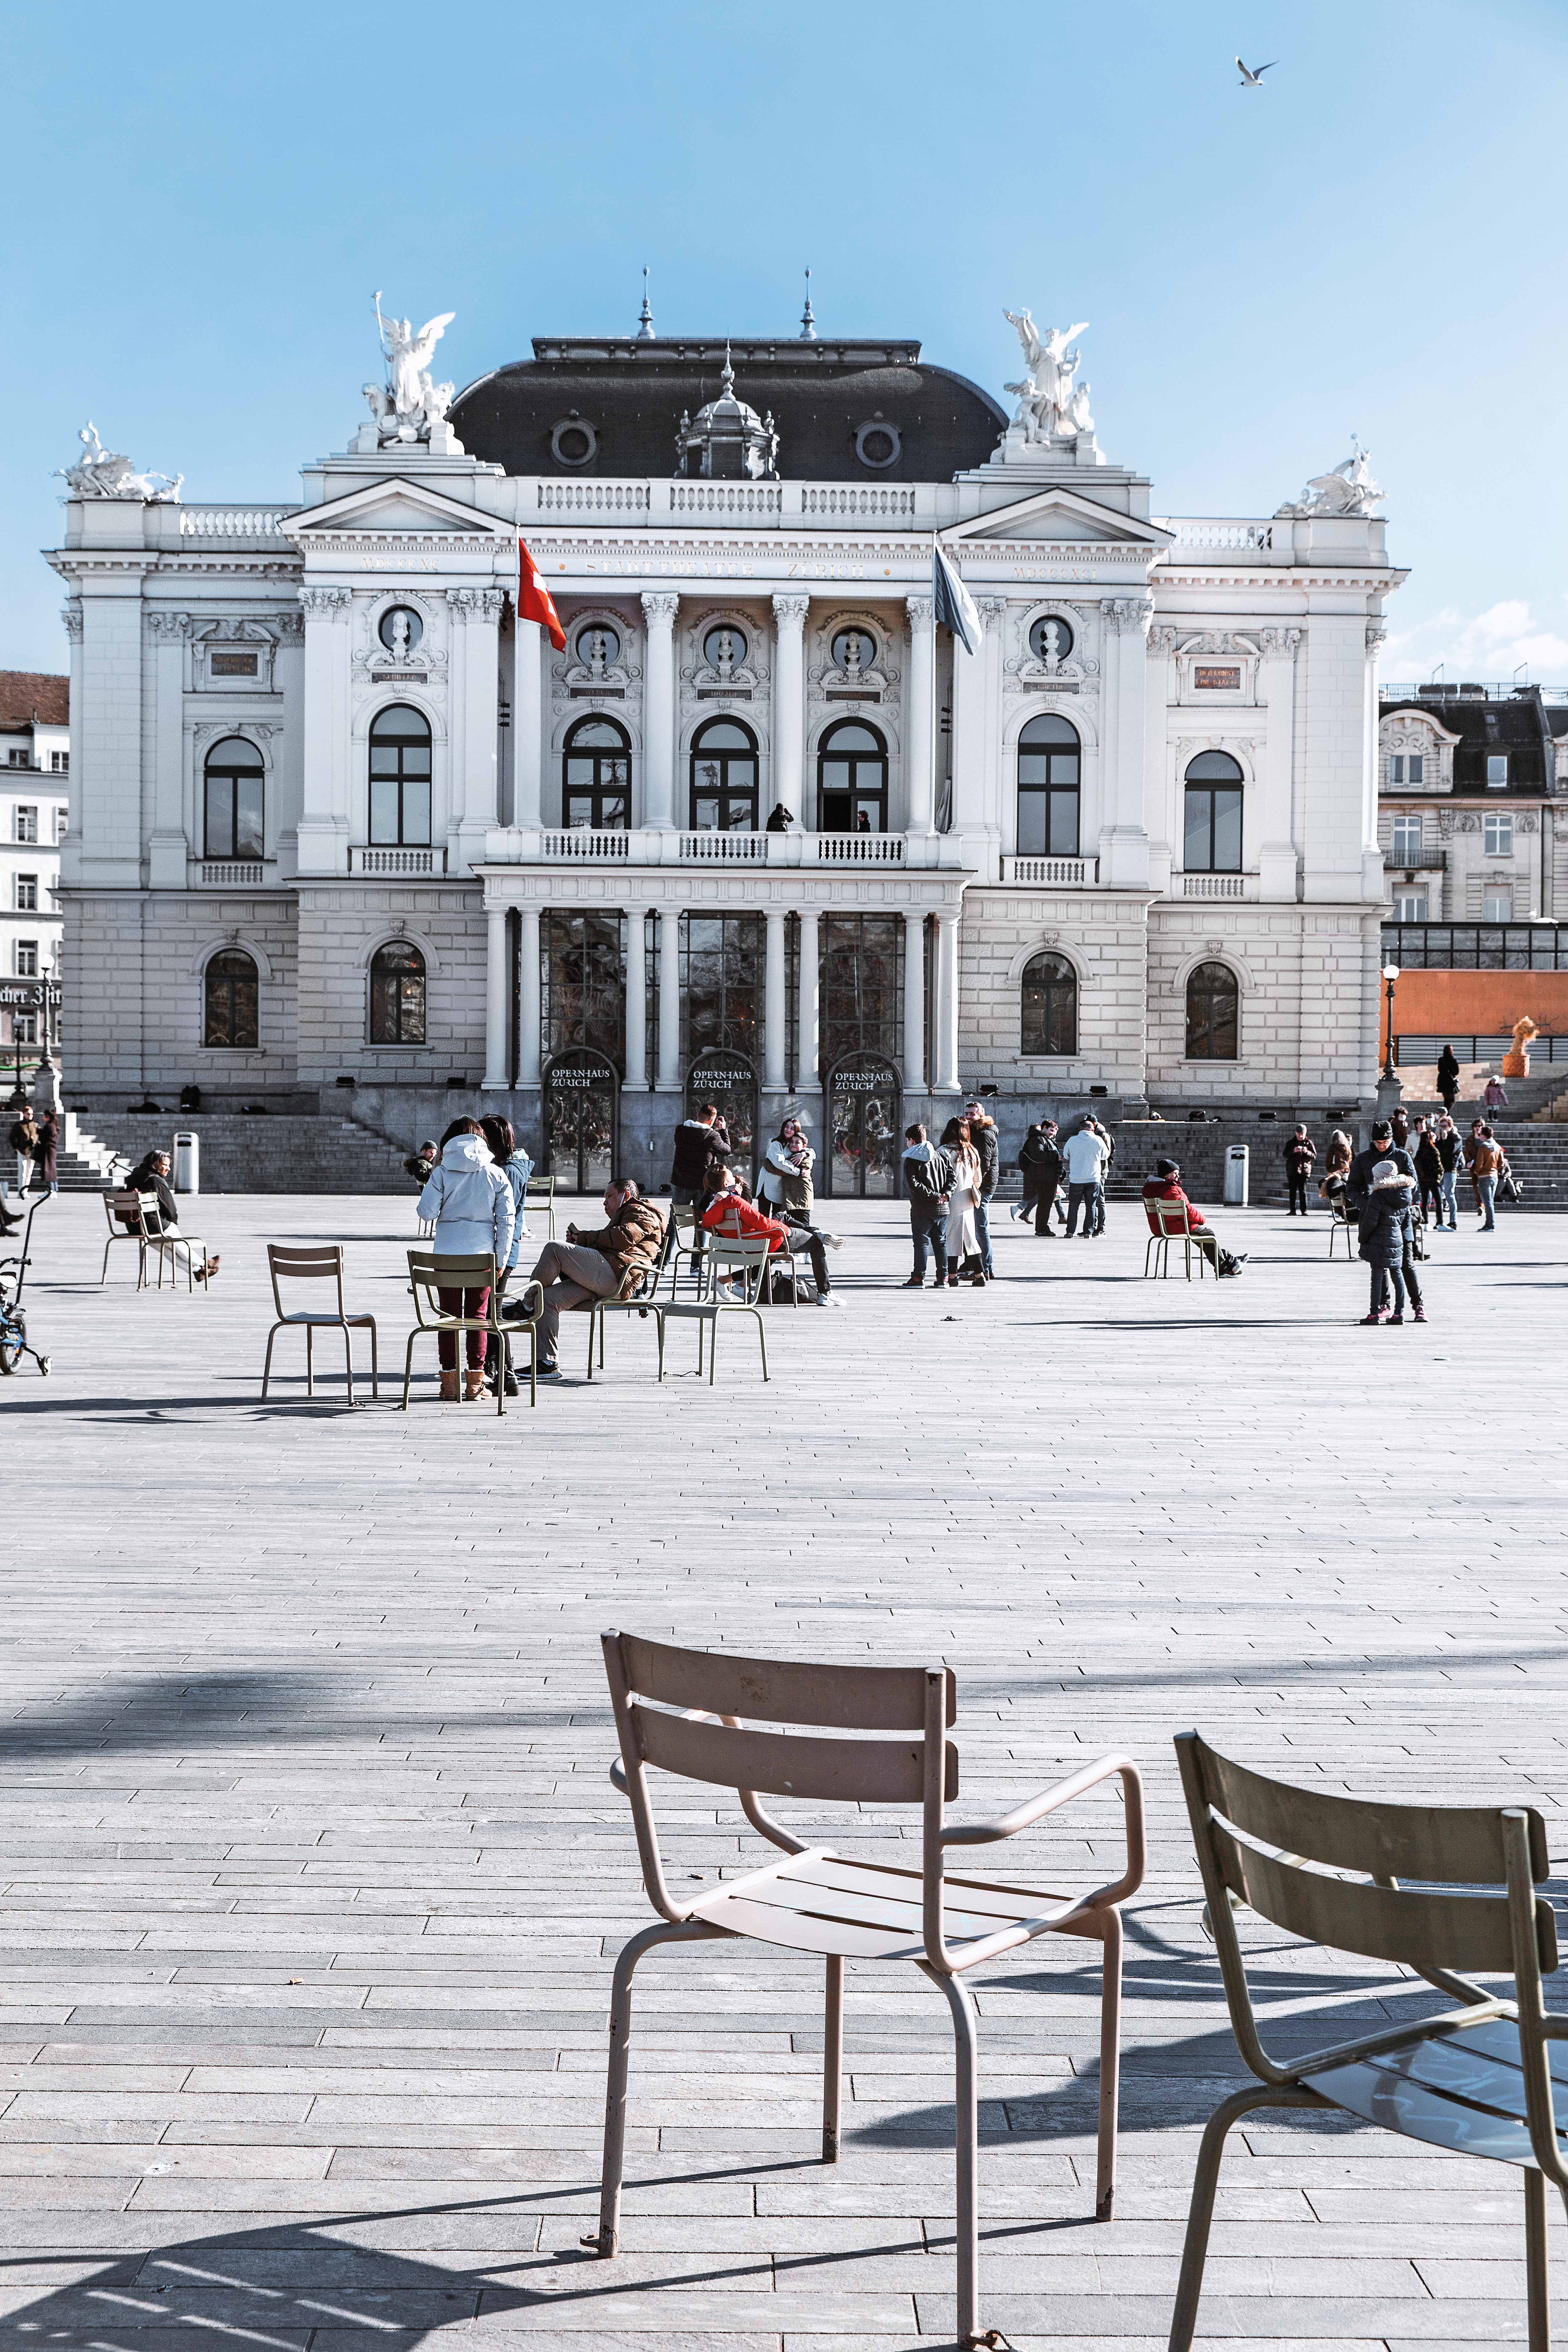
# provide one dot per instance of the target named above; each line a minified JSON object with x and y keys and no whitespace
{"x":965,"y":2136}
{"x":108,"y":1245}
{"x":832,"y":2058}
{"x":1200,"y":2212}
{"x":762,"y":1337}
{"x":408,"y":1368}
{"x":309,"y":1362}
{"x":266,"y":1367}
{"x":349,"y":1360}
{"x":1109,"y":2063}
{"x":1539,"y":2327}
{"x":374,"y":1368}
{"x":661,"y":1932}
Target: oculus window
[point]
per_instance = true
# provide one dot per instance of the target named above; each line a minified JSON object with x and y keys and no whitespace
{"x":400,"y":778}
{"x":233,"y":800}
{"x":232,"y":1016}
{"x":852,"y":779}
{"x":1050,"y":1006}
{"x":1211,"y":833}
{"x":1213,"y":1013}
{"x":397,"y":995}
{"x":1049,"y":764}
{"x":400,"y":630}
{"x":854,"y":650}
{"x":596,"y":776}
{"x":723,"y":778}
{"x":1050,"y":640}
{"x":724,"y":647}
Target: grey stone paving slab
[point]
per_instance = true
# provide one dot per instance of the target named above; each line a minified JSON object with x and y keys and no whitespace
{"x":310,"y":1877}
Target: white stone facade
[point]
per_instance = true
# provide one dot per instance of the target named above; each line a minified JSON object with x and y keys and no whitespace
{"x":290,"y":632}
{"x":35,"y":816}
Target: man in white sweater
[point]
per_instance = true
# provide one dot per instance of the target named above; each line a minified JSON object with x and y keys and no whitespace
{"x":1086,"y":1158}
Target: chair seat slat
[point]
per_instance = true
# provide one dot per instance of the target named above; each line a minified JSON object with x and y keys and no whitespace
{"x":1386,"y":2092}
{"x":774,"y":1690}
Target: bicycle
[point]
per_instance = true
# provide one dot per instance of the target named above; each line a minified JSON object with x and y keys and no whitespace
{"x":14,"y":1343}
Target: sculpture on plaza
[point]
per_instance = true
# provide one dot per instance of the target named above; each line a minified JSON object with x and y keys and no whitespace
{"x":1516,"y":1061}
{"x":409,"y":402}
{"x":1050,"y":406}
{"x":101,"y":473}
{"x":1348,"y":490}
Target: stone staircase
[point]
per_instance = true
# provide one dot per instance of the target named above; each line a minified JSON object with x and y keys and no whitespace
{"x":268,"y":1154}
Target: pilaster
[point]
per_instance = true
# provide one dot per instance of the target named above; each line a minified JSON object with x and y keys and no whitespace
{"x":169,"y":850}
{"x":1277,"y":855}
{"x":789,"y":703}
{"x":918,"y":730}
{"x":659,"y":714}
{"x":1123,"y":836}
{"x":329,"y":731}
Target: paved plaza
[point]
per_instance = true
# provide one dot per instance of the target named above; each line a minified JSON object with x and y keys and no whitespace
{"x":313,"y":1876}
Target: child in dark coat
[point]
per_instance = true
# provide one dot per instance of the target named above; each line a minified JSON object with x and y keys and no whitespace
{"x":1386,"y":1238}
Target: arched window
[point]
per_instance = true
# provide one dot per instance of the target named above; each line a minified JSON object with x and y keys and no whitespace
{"x":1213,"y":1013}
{"x":1050,"y":1006}
{"x":231,"y":1000}
{"x":1048,"y":770}
{"x":399,"y":777}
{"x":596,"y":776}
{"x":852,"y":779}
{"x":397,"y":995}
{"x":232,"y":817}
{"x":723,"y":778}
{"x":1211,"y":831}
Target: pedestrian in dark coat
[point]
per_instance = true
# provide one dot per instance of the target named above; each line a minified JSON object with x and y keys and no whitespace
{"x":1030,"y":1157}
{"x":1300,"y":1154}
{"x":45,"y":1171}
{"x":1447,"y":1076}
{"x":1049,"y":1171}
{"x":1386,"y":1243}
{"x":1429,"y":1172}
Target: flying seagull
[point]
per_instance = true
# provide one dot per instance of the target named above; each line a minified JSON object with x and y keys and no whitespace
{"x":1252,"y":76}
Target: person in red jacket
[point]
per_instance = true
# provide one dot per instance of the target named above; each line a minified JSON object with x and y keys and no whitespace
{"x":1165,"y":1184}
{"x":729,"y":1213}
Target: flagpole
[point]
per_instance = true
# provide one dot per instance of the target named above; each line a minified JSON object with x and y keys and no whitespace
{"x":934,"y":746}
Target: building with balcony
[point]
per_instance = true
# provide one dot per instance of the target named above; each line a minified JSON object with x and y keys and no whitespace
{"x":760,"y":831}
{"x":34,"y":804}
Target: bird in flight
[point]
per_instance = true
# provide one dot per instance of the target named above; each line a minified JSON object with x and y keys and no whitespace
{"x":1252,"y":76}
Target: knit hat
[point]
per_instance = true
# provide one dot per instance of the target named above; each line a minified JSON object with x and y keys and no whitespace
{"x":1385,"y":1173}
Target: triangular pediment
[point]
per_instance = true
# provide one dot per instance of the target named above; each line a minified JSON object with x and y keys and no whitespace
{"x":396,"y":504}
{"x":1055,"y":513}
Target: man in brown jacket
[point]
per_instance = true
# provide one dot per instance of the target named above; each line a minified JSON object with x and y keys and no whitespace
{"x":605,"y":1264}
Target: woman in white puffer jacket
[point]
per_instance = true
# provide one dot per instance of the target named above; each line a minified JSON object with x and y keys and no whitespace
{"x":469,"y":1198}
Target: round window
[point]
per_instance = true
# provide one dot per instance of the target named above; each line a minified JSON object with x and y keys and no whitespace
{"x":724,"y":647}
{"x":598,"y":647}
{"x":854,"y":650}
{"x":877,"y":444}
{"x":400,"y":629}
{"x":1050,"y":640}
{"x":574,"y":441}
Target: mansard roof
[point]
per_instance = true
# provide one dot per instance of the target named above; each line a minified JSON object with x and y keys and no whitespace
{"x":1479,"y":722}
{"x":633,"y":391}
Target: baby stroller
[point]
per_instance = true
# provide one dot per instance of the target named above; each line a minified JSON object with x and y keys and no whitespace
{"x":13,"y":1314}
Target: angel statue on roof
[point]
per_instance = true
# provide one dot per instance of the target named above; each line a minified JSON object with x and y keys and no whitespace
{"x":410,"y":398}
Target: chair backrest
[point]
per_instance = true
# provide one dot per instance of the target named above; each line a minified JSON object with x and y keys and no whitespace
{"x":541,"y":1187}
{"x":124,"y":1214}
{"x":150,"y":1216}
{"x":324,"y":1263}
{"x":429,"y":1273}
{"x":692,"y":1712}
{"x":1170,"y":1216}
{"x":751,"y":1256}
{"x":1276,"y":1847}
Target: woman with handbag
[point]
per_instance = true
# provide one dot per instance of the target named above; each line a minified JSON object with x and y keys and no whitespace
{"x":962,"y":1238}
{"x":786,"y":1190}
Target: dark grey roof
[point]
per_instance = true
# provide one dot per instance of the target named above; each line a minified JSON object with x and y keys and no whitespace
{"x":633,"y":392}
{"x":1515,"y":723}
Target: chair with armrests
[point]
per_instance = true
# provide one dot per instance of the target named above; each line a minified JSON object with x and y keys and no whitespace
{"x":683,"y":1239}
{"x":694,"y":1712}
{"x":640,"y":1299}
{"x":721,"y":1261}
{"x":324,"y":1262}
{"x":124,"y":1214}
{"x":166,"y":1246}
{"x":1479,"y":2077}
{"x":429,"y":1276}
{"x":542,"y":1188}
{"x":1173,"y":1222}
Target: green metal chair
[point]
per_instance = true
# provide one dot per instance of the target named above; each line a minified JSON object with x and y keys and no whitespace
{"x":720,"y":1259}
{"x":1340,"y":1224}
{"x":542,"y":1188}
{"x":640,"y":1300}
{"x":429,"y":1276}
{"x":1478,"y":2078}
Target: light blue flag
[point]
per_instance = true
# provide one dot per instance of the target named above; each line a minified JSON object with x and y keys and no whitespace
{"x":952,"y":602}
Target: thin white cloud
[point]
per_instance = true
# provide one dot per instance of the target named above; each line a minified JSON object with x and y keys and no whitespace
{"x":1489,"y":646}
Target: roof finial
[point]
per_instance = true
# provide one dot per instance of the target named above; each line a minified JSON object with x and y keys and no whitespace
{"x":808,"y":323}
{"x":645,"y":321}
{"x":727,"y":378}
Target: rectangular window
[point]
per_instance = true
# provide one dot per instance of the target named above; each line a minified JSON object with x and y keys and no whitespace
{"x":24,"y":1028}
{"x":1416,"y":766}
{"x":1410,"y":906}
{"x":721,"y":984}
{"x":1497,"y":905}
{"x":1499,"y":835}
{"x":1396,"y":766}
{"x":1497,"y":771}
{"x":26,"y":823}
{"x":16,"y":759}
{"x":862,"y":986}
{"x":583,"y":991}
{"x":1406,"y":840}
{"x":26,"y":958}
{"x":234,"y":814}
{"x":62,"y":824}
{"x":27,"y":894}
{"x":1212,"y":835}
{"x":59,"y":763}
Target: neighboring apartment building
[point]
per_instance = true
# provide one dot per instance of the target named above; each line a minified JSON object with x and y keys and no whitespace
{"x":34,"y":795}
{"x":345,"y":820}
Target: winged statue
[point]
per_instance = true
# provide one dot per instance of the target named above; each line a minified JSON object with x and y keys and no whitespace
{"x":412,"y":398}
{"x":1048,"y":405}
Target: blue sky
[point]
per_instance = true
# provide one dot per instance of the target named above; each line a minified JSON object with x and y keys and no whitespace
{"x":202,"y":202}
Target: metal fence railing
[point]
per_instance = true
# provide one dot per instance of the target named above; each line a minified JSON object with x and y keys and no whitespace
{"x":1475,"y":947}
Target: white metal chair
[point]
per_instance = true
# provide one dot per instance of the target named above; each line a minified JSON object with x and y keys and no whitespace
{"x":324,"y":1262}
{"x":542,"y":1188}
{"x":166,"y":1246}
{"x":695,"y":1714}
{"x":720,"y":1259}
{"x":1175,"y":1224}
{"x":124,"y":1215}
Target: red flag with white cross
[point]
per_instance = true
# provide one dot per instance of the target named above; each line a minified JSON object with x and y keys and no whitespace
{"x":534,"y":602}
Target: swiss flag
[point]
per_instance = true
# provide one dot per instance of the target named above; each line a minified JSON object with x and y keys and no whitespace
{"x":534,"y":602}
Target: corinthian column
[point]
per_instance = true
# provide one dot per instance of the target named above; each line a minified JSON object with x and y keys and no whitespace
{"x":789,"y":703}
{"x":658,"y":712}
{"x":498,"y":991}
{"x":917,"y":730}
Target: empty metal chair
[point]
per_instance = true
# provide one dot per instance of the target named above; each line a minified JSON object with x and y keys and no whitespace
{"x":542,"y":1188}
{"x":692,"y":1713}
{"x":1479,"y":2077}
{"x":322,"y":1262}
{"x":1339,"y":1223}
{"x":124,"y":1214}
{"x":1174,"y":1223}
{"x":720,"y":1260}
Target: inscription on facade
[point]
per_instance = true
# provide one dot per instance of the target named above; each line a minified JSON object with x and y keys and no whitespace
{"x":1224,"y":680}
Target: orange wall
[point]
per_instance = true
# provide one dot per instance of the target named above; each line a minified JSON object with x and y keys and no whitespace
{"x":1477,"y":1003}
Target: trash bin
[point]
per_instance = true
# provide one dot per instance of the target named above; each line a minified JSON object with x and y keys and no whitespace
{"x":1235,"y":1169}
{"x":188,"y":1173}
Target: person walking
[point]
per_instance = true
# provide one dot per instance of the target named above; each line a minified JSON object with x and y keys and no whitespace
{"x":1449,"y":1146}
{"x":1085,"y":1168}
{"x":469,"y":1201}
{"x":1486,"y":1167}
{"x":1428,"y":1173}
{"x":1029,"y":1157}
{"x":963,"y":1195}
{"x":1448,"y":1077}
{"x":1300,"y":1153}
{"x":23,"y":1141}
{"x":1495,"y":1094}
{"x":1400,"y":1124}
{"x":1101,"y":1189}
{"x":46,"y":1167}
{"x":420,"y":1164}
{"x":605,"y":1264}
{"x":517,"y":1168}
{"x":928,"y":1179}
{"x":985,"y":1135}
{"x":1472,"y":1144}
{"x":1385,"y":1239}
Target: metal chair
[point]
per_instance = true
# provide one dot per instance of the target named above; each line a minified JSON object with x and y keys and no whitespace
{"x":1340,"y":1224}
{"x":752,"y":1259}
{"x":640,"y":1300}
{"x":783,"y":1261}
{"x":427,"y":1276}
{"x":150,"y":1226}
{"x":1477,"y":2079}
{"x":542,"y":1188}
{"x":324,"y":1262}
{"x":123,"y":1211}
{"x":683,"y":1239}
{"x":1174,"y":1221}
{"x":692,"y":1712}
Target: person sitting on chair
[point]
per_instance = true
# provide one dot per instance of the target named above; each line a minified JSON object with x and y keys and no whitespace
{"x":605,"y":1264}
{"x":152,"y":1175}
{"x":1165,"y":1184}
{"x":730,"y":1216}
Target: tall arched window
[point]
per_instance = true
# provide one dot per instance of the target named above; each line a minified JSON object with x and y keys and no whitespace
{"x":232,"y":816}
{"x":232,"y":1017}
{"x":400,"y":777}
{"x":596,"y":776}
{"x":852,"y":779}
{"x":397,"y":995}
{"x":1049,"y":1008}
{"x":1211,"y":836}
{"x":1213,"y":1013}
{"x":1048,"y":770}
{"x":723,"y":778}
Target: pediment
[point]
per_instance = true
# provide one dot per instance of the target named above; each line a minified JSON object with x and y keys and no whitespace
{"x":397,"y":505}
{"x":1058,"y":513}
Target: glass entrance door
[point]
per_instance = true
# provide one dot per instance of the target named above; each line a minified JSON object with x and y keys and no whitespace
{"x":865,"y":1098}
{"x":730,"y":1081}
{"x":582,"y":1107}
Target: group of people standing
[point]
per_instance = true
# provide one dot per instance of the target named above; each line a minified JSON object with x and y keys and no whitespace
{"x":950,"y":1186}
{"x":703,"y":1178}
{"x":36,"y":1142}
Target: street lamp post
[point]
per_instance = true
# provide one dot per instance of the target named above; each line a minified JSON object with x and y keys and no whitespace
{"x":1390,"y":974}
